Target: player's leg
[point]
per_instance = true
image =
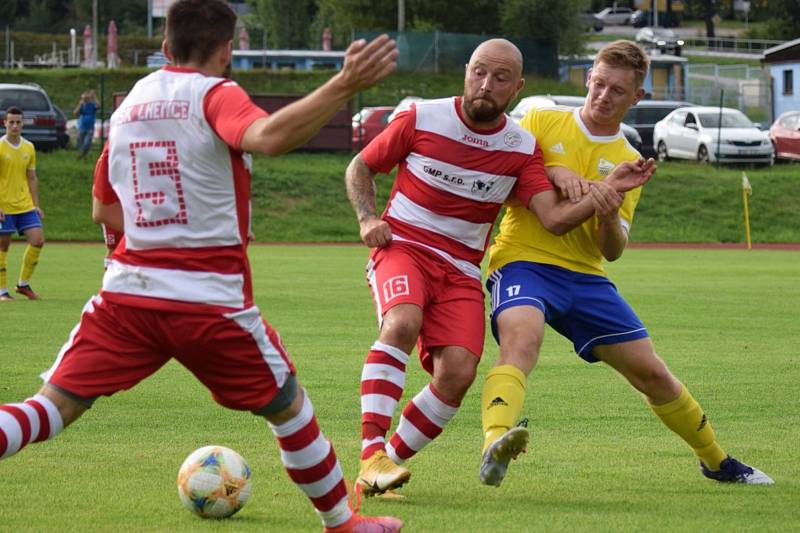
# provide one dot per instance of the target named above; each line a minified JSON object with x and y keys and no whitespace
{"x":674,"y":405}
{"x":240,"y":358}
{"x":427,"y":413}
{"x":99,"y":358}
{"x":398,"y":286}
{"x":31,"y":226}
{"x":5,"y":243}
{"x":518,"y":294}
{"x":37,"y":419}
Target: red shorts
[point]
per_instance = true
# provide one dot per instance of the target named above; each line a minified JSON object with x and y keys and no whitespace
{"x":451,"y":301}
{"x":237,"y":356}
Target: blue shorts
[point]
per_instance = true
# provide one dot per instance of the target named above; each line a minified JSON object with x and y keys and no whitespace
{"x":21,"y":222}
{"x":585,"y":308}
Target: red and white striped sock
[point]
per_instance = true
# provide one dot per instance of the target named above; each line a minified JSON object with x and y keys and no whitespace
{"x":311,"y":462}
{"x":382,"y":381}
{"x":423,"y":420}
{"x":35,"y":420}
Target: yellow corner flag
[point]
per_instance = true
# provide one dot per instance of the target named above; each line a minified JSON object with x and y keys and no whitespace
{"x":747,"y":190}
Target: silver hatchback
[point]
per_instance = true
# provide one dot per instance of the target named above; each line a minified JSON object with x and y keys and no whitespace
{"x":40,"y":117}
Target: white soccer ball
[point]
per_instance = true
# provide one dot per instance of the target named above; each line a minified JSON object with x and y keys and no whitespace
{"x":214,"y":482}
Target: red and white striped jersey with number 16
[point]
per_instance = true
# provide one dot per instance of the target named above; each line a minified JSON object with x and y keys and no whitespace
{"x":452,"y":180}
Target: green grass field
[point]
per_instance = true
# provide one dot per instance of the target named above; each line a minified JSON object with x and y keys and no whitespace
{"x":725,"y":321}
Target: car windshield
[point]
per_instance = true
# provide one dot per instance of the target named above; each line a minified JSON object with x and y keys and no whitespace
{"x":729,"y":120}
{"x":25,"y":100}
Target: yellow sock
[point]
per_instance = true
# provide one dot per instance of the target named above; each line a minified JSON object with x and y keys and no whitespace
{"x":29,"y":261}
{"x":685,"y":417}
{"x":3,"y":270}
{"x":501,"y":401}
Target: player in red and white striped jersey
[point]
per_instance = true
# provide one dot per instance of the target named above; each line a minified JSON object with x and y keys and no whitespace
{"x":459,"y":159}
{"x":175,"y":177}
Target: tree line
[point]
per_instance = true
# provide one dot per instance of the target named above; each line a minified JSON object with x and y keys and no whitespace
{"x":291,"y":24}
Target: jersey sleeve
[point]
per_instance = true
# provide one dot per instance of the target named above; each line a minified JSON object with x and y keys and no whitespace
{"x":230,"y":111}
{"x":102,"y":187}
{"x":393,"y":144}
{"x":533,"y":178}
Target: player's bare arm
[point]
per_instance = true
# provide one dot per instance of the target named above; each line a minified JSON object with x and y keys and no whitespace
{"x":360,"y":184}
{"x":612,"y":237}
{"x":365,"y":64}
{"x":108,"y":214}
{"x":571,"y":185}
{"x":33,"y":187}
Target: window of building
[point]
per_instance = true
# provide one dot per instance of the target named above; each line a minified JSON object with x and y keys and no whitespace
{"x":788,"y":85}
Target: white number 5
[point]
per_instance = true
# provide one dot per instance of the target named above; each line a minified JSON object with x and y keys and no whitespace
{"x":157,"y":187}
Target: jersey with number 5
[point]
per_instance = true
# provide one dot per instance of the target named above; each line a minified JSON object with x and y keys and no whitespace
{"x":184,"y":187}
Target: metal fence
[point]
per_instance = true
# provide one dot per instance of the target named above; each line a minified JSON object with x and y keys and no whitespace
{"x":730,"y":45}
{"x":739,"y":86}
{"x":445,"y":52}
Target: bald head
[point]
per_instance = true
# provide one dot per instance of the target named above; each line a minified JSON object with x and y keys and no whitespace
{"x":501,"y":52}
{"x":492,"y":80}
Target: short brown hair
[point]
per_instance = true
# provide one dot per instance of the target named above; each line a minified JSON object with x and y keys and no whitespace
{"x":14,"y":110}
{"x":625,"y":54}
{"x":197,"y":28}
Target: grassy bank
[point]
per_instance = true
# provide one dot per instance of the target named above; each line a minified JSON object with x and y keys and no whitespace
{"x":66,"y":85}
{"x":300,"y":198}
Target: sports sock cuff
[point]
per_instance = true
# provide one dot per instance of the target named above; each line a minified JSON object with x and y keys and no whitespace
{"x":298,"y":422}
{"x":509,"y":370}
{"x":53,"y":414}
{"x":395,"y":352}
{"x":678,"y":403}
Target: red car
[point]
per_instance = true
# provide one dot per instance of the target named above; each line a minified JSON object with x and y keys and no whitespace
{"x":785,"y":135}
{"x":368,"y":123}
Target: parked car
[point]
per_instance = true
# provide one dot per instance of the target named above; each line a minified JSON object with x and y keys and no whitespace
{"x":710,"y":134}
{"x":592,"y":22}
{"x":643,"y":117}
{"x":368,"y":123}
{"x":40,"y":118}
{"x":537,"y":101}
{"x":785,"y":135}
{"x":613,"y":16}
{"x":661,"y":39}
{"x":404,"y":104}
{"x":61,"y":128}
{"x":640,"y":19}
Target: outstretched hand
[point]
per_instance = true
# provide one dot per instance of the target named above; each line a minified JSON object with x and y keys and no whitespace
{"x":367,"y":63}
{"x":631,"y":174}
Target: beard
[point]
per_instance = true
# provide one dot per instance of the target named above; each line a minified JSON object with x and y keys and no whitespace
{"x":482,"y":109}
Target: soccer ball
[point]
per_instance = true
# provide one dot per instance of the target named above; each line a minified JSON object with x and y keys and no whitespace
{"x":214,"y":482}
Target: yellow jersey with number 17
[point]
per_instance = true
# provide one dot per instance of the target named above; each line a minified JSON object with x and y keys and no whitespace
{"x":565,"y":141}
{"x":15,"y":161}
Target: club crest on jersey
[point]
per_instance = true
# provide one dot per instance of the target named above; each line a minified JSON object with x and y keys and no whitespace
{"x":482,"y":187}
{"x":604,"y":167}
{"x":512,"y":139}
{"x":394,"y":287}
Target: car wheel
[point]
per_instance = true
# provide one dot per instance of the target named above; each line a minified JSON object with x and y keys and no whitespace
{"x":661,"y":151}
{"x":702,"y":154}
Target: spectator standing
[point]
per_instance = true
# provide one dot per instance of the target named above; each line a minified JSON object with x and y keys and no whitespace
{"x":86,"y":111}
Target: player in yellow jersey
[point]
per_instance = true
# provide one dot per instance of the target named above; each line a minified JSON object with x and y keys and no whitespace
{"x":19,"y":204}
{"x":536,"y":278}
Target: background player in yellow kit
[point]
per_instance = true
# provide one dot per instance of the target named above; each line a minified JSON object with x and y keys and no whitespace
{"x":19,"y":204}
{"x":537,"y":277}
